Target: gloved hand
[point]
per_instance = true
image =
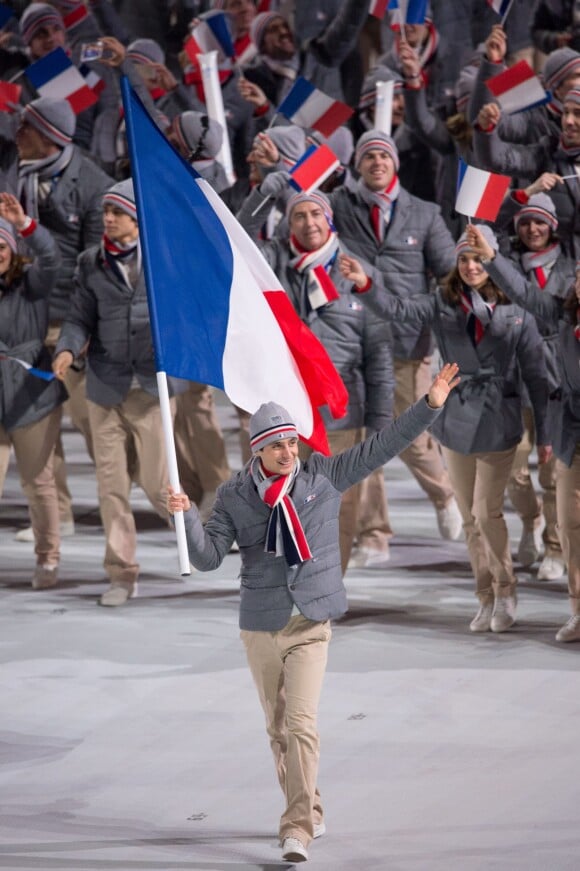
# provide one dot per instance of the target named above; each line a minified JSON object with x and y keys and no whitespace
{"x":274,"y":184}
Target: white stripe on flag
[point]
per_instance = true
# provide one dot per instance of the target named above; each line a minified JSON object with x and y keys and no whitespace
{"x":63,"y":85}
{"x":525,"y":94}
{"x":312,"y":109}
{"x":471,"y":191}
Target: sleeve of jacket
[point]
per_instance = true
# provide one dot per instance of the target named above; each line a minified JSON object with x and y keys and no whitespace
{"x":496,"y":155}
{"x":542,"y":305}
{"x":417,"y":310}
{"x":379,"y":373}
{"x":334,"y":44}
{"x":83,"y":316}
{"x":42,"y":274}
{"x":425,"y":123}
{"x":514,"y":128}
{"x":532,"y":364}
{"x":439,"y":247}
{"x":209,"y":544}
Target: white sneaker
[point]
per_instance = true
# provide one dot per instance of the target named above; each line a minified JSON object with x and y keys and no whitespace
{"x":552,"y":568}
{"x":319,"y":830}
{"x":368,"y":558}
{"x":482,"y":620}
{"x":504,"y":613}
{"x":118,"y":594}
{"x":294,"y":850}
{"x":45,"y":577}
{"x":570,"y":631}
{"x":449,"y":521}
{"x":530,"y":546}
{"x":67,"y":528}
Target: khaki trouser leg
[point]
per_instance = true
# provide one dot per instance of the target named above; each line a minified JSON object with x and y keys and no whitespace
{"x":547,"y":479}
{"x":201,"y":452}
{"x":412,"y":381}
{"x":288,"y":668}
{"x":374,"y":526}
{"x":568,"y":503}
{"x":479,"y":481}
{"x":520,"y":488}
{"x":34,"y":452}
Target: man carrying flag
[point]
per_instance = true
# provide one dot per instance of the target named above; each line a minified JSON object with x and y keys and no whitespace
{"x":284,"y":515}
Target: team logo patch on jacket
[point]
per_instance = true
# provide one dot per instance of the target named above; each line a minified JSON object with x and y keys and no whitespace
{"x":310,"y":497}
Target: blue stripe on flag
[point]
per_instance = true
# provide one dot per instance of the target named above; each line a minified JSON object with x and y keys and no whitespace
{"x":461,"y":170}
{"x":184,"y":246}
{"x":49,"y":66}
{"x":301,"y":90}
{"x":416,"y":11}
{"x":218,"y":24}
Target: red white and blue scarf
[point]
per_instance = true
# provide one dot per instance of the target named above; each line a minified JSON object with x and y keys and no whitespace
{"x":284,"y":535}
{"x":316,"y":266}
{"x":478,"y":310}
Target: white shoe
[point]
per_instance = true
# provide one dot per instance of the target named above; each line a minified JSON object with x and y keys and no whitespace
{"x":449,"y":521}
{"x":504,"y":613}
{"x":45,"y":577}
{"x":118,"y":594}
{"x":294,"y":850}
{"x":319,"y":830}
{"x":482,"y":620}
{"x":570,"y":631}
{"x":368,"y":558}
{"x":530,"y":546}
{"x":552,"y":568}
{"x":66,"y":527}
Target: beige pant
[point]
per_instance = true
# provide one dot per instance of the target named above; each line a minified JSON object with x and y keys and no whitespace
{"x":375,"y":516}
{"x":423,"y":457}
{"x":479,"y":481}
{"x":288,"y":668}
{"x":199,"y":442}
{"x":128,"y":443}
{"x":568,"y":503}
{"x":523,"y":496}
{"x":34,"y":450}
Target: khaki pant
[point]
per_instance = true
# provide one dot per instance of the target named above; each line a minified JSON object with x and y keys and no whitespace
{"x":128,"y":443}
{"x":199,"y":443}
{"x":375,"y":516}
{"x":34,"y":450}
{"x":479,"y":481}
{"x":423,"y":457}
{"x":288,"y":668}
{"x":568,"y":503}
{"x":523,"y":496}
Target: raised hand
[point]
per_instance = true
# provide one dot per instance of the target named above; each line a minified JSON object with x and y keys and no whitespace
{"x":443,"y":384}
{"x":12,"y":211}
{"x":352,"y":270}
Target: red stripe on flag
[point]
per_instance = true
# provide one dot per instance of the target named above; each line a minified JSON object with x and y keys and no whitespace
{"x":510,"y":78}
{"x":193,"y":49}
{"x":495,"y":191}
{"x":336,"y":115}
{"x":378,"y":8}
{"x":9,"y":93}
{"x":321,"y":380}
{"x":82,"y":99}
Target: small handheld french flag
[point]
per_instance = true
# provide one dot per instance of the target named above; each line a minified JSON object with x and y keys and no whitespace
{"x":409,"y":11}
{"x":517,"y":88}
{"x":313,"y":168}
{"x":32,"y":370}
{"x":9,"y":96}
{"x":306,"y":106}
{"x":211,"y":34}
{"x":480,"y":193}
{"x":54,"y":75}
{"x":378,"y":8}
{"x":500,"y":6}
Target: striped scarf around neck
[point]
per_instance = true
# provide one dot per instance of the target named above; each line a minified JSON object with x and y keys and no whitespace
{"x":284,"y":534}
{"x":538,"y":264}
{"x":381,"y":204}
{"x":315,"y":266}
{"x":478,"y":309}
{"x":37,"y":177}
{"x":119,"y":256}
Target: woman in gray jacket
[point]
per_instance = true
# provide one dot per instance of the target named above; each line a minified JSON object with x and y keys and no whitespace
{"x":284,"y":516}
{"x":563,"y":315}
{"x":30,"y":402}
{"x":493,"y":342}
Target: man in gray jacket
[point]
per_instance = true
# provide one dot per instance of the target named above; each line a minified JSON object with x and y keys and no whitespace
{"x":109,"y":311}
{"x":284,"y":515}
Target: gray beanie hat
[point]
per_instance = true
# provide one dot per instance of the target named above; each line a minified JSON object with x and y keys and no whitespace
{"x":290,"y":141}
{"x":488,"y":234}
{"x":312,"y":197}
{"x":541,"y":207}
{"x":122,"y":195}
{"x":199,"y":134}
{"x":37,"y":16}
{"x":559,"y":64}
{"x":7,"y":234}
{"x":270,"y":423}
{"x":54,"y":118}
{"x":145,"y":51}
{"x":376,"y":139}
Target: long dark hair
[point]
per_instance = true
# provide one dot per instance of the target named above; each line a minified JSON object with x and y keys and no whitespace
{"x":452,"y":285}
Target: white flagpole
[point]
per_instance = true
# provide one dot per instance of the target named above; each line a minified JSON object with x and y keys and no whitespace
{"x":506,"y":13}
{"x":215,"y":108}
{"x":384,"y":107}
{"x":167,"y":423}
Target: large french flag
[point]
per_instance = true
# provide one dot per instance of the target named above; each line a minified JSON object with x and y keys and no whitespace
{"x":211,"y":34}
{"x":56,"y":76}
{"x":517,"y":88}
{"x":480,"y":193}
{"x":218,"y":313}
{"x":313,"y":168}
{"x":306,"y":106}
